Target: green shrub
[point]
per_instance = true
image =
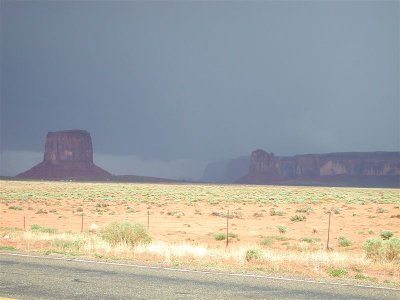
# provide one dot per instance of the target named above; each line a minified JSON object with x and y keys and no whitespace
{"x":279,"y":237}
{"x":298,"y":218}
{"x":233,"y":235}
{"x":253,"y":254}
{"x":219,"y":236}
{"x":124,"y":232}
{"x":7,"y":247}
{"x":337,"y":272}
{"x":15,"y":207}
{"x":282,"y":228}
{"x":344,"y":241}
{"x":376,"y":248}
{"x":41,"y":211}
{"x":69,"y":246}
{"x":130,"y":210}
{"x":267,"y":241}
{"x":38,"y":228}
{"x":373,"y":248}
{"x":35,"y":227}
{"x":176,"y":213}
{"x":276,"y":212}
{"x":361,"y":276}
{"x":392,"y":249}
{"x":307,"y":209}
{"x":310,"y":239}
{"x":386,"y":234}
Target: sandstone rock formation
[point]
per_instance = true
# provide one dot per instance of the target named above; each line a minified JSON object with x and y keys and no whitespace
{"x":68,"y":154}
{"x":355,"y":168}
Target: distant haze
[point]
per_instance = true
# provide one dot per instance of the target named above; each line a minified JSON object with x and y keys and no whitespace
{"x":166,"y":86}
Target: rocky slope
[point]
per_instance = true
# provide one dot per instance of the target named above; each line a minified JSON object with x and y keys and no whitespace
{"x":355,"y":168}
{"x":68,"y":154}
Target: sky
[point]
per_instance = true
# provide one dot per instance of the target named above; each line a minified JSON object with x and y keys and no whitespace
{"x":164,"y":87}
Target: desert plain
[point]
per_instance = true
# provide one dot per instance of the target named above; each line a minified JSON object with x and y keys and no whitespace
{"x":268,"y":225}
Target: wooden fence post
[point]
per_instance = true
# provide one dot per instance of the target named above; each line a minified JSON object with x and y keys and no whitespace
{"x":227,"y":228}
{"x":329,"y":228}
{"x":148,"y":220}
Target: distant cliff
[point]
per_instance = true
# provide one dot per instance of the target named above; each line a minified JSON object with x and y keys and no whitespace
{"x":226,"y":171}
{"x":67,"y":154}
{"x":348,"y":168}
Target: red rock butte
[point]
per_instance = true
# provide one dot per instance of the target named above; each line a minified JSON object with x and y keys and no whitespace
{"x":67,"y":154}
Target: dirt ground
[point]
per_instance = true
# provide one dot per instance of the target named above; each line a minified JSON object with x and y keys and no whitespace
{"x":195,"y":213}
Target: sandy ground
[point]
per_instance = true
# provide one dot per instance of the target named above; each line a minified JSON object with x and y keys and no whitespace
{"x":173,"y":216}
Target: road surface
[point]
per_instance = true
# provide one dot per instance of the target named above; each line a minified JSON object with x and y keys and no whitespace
{"x":40,"y":277}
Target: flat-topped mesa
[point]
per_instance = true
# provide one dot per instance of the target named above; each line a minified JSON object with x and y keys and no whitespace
{"x":68,"y":154}
{"x":352,"y":168}
{"x":68,"y":145}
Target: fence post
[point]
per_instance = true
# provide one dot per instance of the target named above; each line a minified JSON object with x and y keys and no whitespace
{"x":148,"y":220}
{"x":227,"y":228}
{"x":82,"y":224}
{"x":24,"y":224}
{"x":329,"y":228}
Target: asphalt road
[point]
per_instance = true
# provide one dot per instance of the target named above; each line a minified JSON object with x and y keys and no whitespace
{"x":30,"y":277}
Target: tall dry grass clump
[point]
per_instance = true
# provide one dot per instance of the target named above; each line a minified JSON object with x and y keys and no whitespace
{"x":126,"y":233}
{"x":377,"y":248}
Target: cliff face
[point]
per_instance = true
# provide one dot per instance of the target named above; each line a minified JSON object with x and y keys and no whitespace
{"x":68,"y":154}
{"x":68,"y":145}
{"x":266,"y":168}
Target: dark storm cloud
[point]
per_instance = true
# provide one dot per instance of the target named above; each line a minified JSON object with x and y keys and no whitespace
{"x":166,"y":81}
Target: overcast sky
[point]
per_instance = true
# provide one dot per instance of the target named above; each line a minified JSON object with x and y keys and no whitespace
{"x":171,"y":84}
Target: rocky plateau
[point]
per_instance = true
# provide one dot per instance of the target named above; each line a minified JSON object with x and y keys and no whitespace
{"x":337,"y":169}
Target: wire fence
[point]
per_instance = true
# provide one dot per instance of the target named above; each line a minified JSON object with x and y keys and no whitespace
{"x":170,"y":226}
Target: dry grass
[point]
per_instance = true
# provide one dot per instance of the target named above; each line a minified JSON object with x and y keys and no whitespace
{"x":302,"y":261}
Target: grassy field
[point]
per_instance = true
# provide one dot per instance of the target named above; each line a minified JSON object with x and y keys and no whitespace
{"x":271,"y":228}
